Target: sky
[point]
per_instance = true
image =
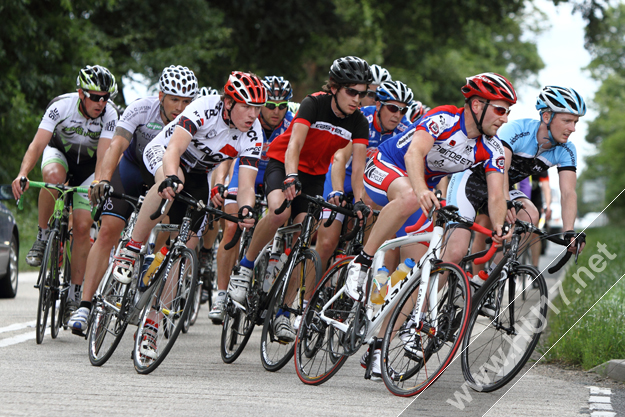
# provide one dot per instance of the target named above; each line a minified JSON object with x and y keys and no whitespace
{"x":561,"y":47}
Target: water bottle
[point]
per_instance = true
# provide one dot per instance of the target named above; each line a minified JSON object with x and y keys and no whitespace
{"x":269,"y":274}
{"x":480,"y":278}
{"x":402,"y":271}
{"x":146,"y":264}
{"x":380,"y":287}
{"x":158,"y":259}
{"x":281,"y":262}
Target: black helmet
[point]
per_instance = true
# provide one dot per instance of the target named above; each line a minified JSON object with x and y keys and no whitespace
{"x":96,"y":78}
{"x":351,"y":70}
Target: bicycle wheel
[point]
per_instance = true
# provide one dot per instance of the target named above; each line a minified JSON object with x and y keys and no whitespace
{"x":416,"y":352}
{"x":108,"y":323}
{"x":526,"y":259}
{"x":504,"y":329}
{"x":47,"y":274}
{"x":238,"y":324}
{"x":164,"y":315}
{"x":287,"y":302}
{"x":318,"y":353}
{"x":195,"y":311}
{"x":59,"y":296}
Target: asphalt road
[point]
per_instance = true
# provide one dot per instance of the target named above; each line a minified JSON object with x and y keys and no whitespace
{"x":56,"y":378}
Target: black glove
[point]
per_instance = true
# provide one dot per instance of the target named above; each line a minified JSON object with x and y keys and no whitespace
{"x":362,"y":207}
{"x":100,"y":191}
{"x":292,"y":180}
{"x":172,"y":181}
{"x":251,"y":214}
{"x":579,"y":237}
{"x":218,"y":189}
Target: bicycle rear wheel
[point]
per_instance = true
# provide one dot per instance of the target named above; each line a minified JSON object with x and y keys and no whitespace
{"x":415,"y":352}
{"x":287,"y":302}
{"x":195,"y":311}
{"x":164,"y":315}
{"x":108,"y":323}
{"x":504,"y":329}
{"x":318,"y":345}
{"x":47,"y":274}
{"x":59,"y":296}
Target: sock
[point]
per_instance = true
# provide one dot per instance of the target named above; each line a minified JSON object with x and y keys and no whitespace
{"x":134,"y":246}
{"x":86,"y":304}
{"x":281,"y":312}
{"x":247,"y":263}
{"x":364,"y":259}
{"x":221,"y":294}
{"x":204,"y":250}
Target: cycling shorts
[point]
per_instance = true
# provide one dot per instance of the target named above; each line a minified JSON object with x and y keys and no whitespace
{"x":127,"y":179}
{"x":80,"y":175}
{"x":233,"y":186}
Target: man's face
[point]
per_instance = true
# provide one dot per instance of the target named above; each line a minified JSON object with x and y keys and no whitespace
{"x":243,"y":115}
{"x":562,"y":125}
{"x":348,"y":97}
{"x":93,"y":108}
{"x":369,"y":100}
{"x":272,"y":118}
{"x":173,"y":105}
{"x":389,"y":119}
{"x":496,"y":114}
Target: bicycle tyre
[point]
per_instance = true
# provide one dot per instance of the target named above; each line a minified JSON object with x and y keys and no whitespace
{"x":483,"y":365}
{"x":46,"y":277}
{"x":107,"y":326}
{"x":61,"y":287}
{"x":239,"y":325}
{"x":169,"y":325}
{"x":407,"y":371}
{"x":274,"y":354}
{"x":316,"y":356}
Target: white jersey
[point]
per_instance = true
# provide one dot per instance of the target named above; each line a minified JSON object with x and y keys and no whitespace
{"x":212,"y":140}
{"x":143,"y":119}
{"x":73,"y":134}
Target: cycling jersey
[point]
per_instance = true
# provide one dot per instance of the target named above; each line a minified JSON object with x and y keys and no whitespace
{"x":143,"y":119}
{"x":452,"y":151}
{"x":327,"y":134}
{"x":72,"y":133}
{"x":212,"y":140}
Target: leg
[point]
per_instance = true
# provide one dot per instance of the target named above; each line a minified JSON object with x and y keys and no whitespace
{"x":327,"y":239}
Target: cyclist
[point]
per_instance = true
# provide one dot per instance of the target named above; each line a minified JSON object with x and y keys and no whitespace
{"x":208,"y":91}
{"x":210,"y":130}
{"x":415,"y":111}
{"x":275,"y":118}
{"x":379,"y":76}
{"x":531,"y":147}
{"x":74,"y":133}
{"x":300,"y":157}
{"x":386,"y":119}
{"x":139,"y":124}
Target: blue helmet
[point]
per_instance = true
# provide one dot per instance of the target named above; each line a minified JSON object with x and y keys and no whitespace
{"x":394,"y":91}
{"x":560,"y":100}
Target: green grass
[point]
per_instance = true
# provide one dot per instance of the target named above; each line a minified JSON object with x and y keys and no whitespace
{"x":599,"y":335}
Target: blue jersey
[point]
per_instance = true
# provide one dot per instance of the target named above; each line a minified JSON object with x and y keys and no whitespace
{"x":453,"y":151}
{"x":282,"y":127}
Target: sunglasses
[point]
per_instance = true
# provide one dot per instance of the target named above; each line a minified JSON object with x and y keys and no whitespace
{"x":393,"y":108}
{"x":499,"y":110}
{"x":372,"y":94}
{"x":97,"y":98}
{"x":352,"y":92}
{"x":281,"y":106}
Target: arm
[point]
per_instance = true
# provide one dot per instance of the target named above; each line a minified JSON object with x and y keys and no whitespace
{"x":219,"y":177}
{"x":568,"y":182}
{"x":103,"y":146}
{"x":341,"y":157}
{"x":246,"y":195}
{"x":291,"y":157}
{"x":358,"y":170}
{"x":497,"y":206}
{"x":178,"y":143}
{"x":35,"y":149}
{"x":418,"y":149}
{"x":120,"y":142}
{"x":546,"y":189}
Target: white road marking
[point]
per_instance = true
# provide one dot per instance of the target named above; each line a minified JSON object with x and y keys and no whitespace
{"x":17,"y":326}
{"x":17,"y":339}
{"x":599,"y":402}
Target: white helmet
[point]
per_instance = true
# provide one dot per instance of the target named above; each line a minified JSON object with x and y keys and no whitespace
{"x":208,"y":91}
{"x":178,"y":81}
{"x":380,"y":74}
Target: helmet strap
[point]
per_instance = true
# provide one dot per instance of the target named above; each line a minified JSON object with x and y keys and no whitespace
{"x":228,"y":120}
{"x":479,"y":124}
{"x":162,"y":110}
{"x":551,"y":139}
{"x":336,"y":101}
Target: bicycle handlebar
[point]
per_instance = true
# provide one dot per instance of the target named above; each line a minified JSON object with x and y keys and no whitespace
{"x":39,"y":184}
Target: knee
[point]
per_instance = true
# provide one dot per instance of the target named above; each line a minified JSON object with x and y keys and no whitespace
{"x":229,"y":230}
{"x":406,"y":204}
{"x":82,"y":228}
{"x":108,"y":236}
{"x":54,"y":175}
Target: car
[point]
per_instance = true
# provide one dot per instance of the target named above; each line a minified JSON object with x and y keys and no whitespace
{"x":9,"y":247}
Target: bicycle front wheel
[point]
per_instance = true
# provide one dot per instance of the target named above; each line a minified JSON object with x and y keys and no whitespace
{"x":164,"y":315}
{"x":318,"y":353}
{"x":285,"y":310}
{"x":418,"y":347}
{"x":59,"y":295}
{"x":504,"y":329}
{"x":47,"y":275}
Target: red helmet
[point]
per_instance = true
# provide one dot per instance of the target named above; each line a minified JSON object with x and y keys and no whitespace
{"x":490,"y":86}
{"x":246,"y":88}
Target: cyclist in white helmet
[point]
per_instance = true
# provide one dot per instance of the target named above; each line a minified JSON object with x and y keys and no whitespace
{"x":416,"y":110}
{"x":208,"y":91}
{"x":379,"y":76}
{"x":140,"y":123}
{"x":73,"y":135}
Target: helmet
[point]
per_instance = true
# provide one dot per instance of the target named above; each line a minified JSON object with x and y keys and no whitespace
{"x":379,"y":74}
{"x":560,"y":100}
{"x":207,"y":91}
{"x":490,"y":86}
{"x":246,"y":88}
{"x":96,"y":78}
{"x":178,"y":81}
{"x":394,"y":91}
{"x":277,"y":88}
{"x":415,"y":111}
{"x":351,"y":70}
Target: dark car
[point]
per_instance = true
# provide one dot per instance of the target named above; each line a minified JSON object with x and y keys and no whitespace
{"x":9,"y":247}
